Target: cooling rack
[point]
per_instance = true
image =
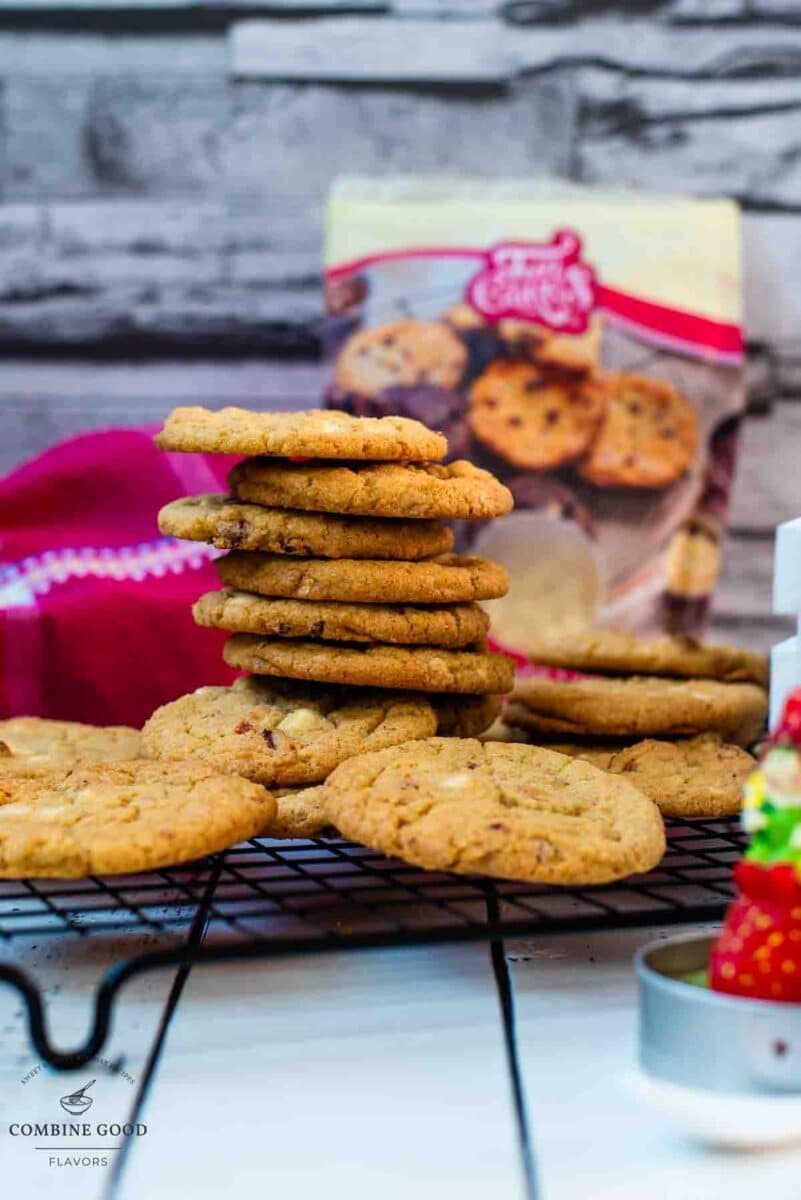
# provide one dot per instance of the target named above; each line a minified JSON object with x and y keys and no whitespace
{"x":268,"y":898}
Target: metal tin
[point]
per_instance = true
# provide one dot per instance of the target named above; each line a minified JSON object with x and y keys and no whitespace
{"x":693,"y":1036}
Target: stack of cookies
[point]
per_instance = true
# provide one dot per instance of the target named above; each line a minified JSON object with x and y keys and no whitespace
{"x":672,"y":715}
{"x":358,"y":627}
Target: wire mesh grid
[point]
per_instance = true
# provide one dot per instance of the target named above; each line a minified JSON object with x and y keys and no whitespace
{"x":265,"y":898}
{"x":332,"y":891}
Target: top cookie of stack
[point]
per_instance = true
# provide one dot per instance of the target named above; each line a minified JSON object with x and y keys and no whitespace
{"x":339,"y":579}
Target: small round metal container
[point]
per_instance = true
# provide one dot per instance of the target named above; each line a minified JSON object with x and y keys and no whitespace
{"x":693,"y":1036}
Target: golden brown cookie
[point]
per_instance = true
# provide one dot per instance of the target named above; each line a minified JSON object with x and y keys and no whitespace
{"x":462,"y":316}
{"x":300,"y":814}
{"x":232,"y":525}
{"x":692,"y":561}
{"x":413,"y":668}
{"x":611,"y":650}
{"x":516,"y":812}
{"x":698,"y":777}
{"x":113,"y":817}
{"x":569,"y":352}
{"x":535,"y":418}
{"x":639,"y":706}
{"x":68,"y":741}
{"x":277,"y":731}
{"x":400,"y":353}
{"x":315,"y":433}
{"x":465,"y":716}
{"x":573,"y":352}
{"x":401,"y":624}
{"x":432,"y":490}
{"x":447,"y":579}
{"x":648,"y":438}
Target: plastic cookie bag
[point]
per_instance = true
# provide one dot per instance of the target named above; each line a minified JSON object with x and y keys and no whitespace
{"x":586,"y":348}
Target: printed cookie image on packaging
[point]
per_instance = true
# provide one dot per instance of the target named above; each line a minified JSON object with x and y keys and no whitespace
{"x":585,"y":348}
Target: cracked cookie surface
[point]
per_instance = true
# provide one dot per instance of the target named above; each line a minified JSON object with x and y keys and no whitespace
{"x":701,"y":776}
{"x":456,"y":490}
{"x":447,"y":579}
{"x":234,"y":525}
{"x":510,"y":811}
{"x":109,"y":818}
{"x":403,"y":624}
{"x":315,"y":433}
{"x":283,"y":732}
{"x":413,"y":668}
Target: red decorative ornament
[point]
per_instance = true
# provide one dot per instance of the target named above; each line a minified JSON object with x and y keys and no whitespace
{"x":788,"y":731}
{"x":758,"y":953}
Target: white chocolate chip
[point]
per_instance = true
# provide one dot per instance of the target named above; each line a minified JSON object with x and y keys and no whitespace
{"x":302,"y":720}
{"x":452,"y":782}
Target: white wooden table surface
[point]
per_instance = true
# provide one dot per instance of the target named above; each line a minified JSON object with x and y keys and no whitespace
{"x":380,"y":1073}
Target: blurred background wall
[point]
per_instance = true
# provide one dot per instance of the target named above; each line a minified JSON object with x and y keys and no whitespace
{"x":164,"y":165}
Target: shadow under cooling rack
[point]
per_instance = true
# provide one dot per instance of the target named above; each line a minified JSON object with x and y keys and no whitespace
{"x":266,"y":898}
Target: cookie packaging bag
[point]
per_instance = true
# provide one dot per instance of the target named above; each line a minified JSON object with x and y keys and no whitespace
{"x":585,"y":348}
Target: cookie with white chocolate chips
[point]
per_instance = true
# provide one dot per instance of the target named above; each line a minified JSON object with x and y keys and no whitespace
{"x":517,"y":812}
{"x":277,"y":731}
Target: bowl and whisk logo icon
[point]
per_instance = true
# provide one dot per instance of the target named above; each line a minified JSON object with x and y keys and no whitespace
{"x":77,"y":1103}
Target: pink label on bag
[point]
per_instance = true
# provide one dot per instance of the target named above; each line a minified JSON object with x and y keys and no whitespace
{"x":544,"y":282}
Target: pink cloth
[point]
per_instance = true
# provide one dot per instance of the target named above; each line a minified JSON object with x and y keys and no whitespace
{"x":95,"y":620}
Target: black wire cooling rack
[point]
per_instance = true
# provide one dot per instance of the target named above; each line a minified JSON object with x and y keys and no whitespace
{"x":268,"y":898}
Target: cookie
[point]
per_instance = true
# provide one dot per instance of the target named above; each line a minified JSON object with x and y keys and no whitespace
{"x":276,"y":731}
{"x":462,"y":316}
{"x":232,"y":525}
{"x":456,"y":490}
{"x":692,"y":561}
{"x":401,"y":624}
{"x":448,"y":579}
{"x":114,"y":817}
{"x":639,"y":706}
{"x":300,"y":813}
{"x":416,"y":668}
{"x":648,"y":438}
{"x":400,"y":352}
{"x":694,"y":777}
{"x":515,"y":812}
{"x":314,"y":433}
{"x":700,"y":777}
{"x":534,"y":418}
{"x":611,"y":650}
{"x":465,"y":716}
{"x":569,"y":352}
{"x":68,"y":741}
